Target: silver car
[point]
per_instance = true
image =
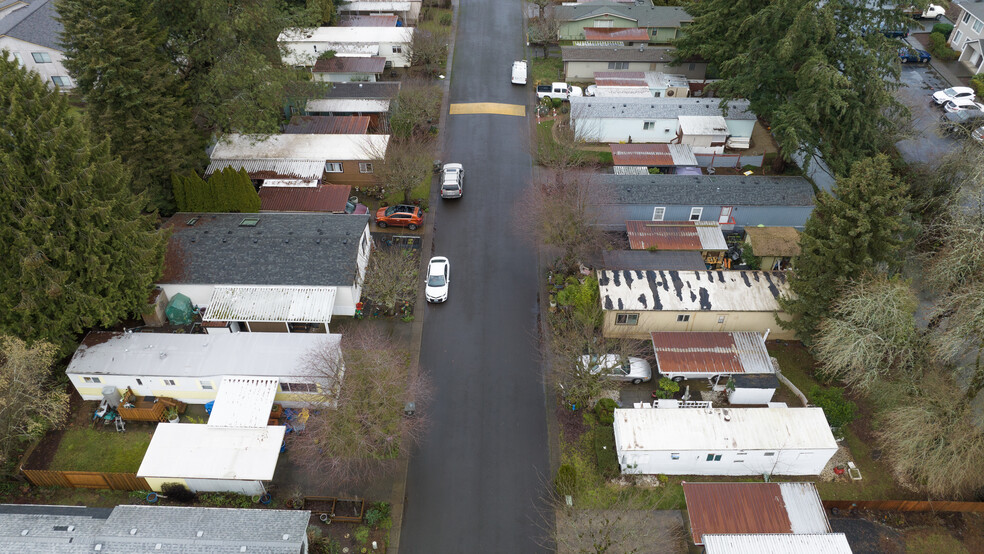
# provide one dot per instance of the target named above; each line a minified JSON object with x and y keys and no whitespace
{"x":613,"y":367}
{"x":452,"y":181}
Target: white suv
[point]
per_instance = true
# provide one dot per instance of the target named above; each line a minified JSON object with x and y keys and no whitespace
{"x":452,"y":181}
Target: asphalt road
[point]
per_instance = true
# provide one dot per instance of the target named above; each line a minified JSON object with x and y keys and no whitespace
{"x":474,"y":484}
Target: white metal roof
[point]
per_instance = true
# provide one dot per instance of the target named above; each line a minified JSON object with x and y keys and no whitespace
{"x":348,"y":35}
{"x":710,"y":235}
{"x":830,"y":543}
{"x":198,"y":355}
{"x":602,"y":91}
{"x":683,"y":291}
{"x":804,"y":508}
{"x":300,"y":147}
{"x":631,"y":170}
{"x":243,"y":402}
{"x":703,"y":125}
{"x":194,"y":451}
{"x":274,"y":304}
{"x":301,"y":169}
{"x":707,"y":429}
{"x":373,"y":6}
{"x":346,"y":105}
{"x":657,"y":79}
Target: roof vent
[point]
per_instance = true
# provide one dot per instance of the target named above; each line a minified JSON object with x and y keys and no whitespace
{"x":199,"y":534}
{"x":99,"y":547}
{"x":255,"y":240}
{"x":157,"y":546}
{"x":286,"y":241}
{"x":162,"y":355}
{"x":317,"y":241}
{"x":286,"y":536}
{"x":243,"y":548}
{"x":727,"y":414}
{"x":24,"y":533}
{"x":133,"y":531}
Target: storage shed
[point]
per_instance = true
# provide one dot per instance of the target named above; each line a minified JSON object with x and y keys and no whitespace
{"x":710,"y":354}
{"x":723,"y":441}
{"x":751,"y":389}
{"x":774,"y":246}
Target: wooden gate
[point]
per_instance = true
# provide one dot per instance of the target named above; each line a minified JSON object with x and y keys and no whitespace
{"x":86,"y":480}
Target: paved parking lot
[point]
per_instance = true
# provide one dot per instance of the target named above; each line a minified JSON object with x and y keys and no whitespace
{"x":926,"y":145}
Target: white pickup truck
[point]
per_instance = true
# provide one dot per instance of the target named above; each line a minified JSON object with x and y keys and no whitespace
{"x":519,"y":72}
{"x":558,"y":90}
{"x":932,"y":11}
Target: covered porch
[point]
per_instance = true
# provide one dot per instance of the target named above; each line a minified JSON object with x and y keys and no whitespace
{"x":260,"y":309}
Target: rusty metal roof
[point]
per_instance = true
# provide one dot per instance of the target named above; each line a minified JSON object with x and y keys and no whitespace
{"x":368,"y":21}
{"x":328,"y":125}
{"x":338,"y":64}
{"x":653,"y":154}
{"x":676,"y":235}
{"x":746,"y":508}
{"x":632,"y":34}
{"x":711,"y":353}
{"x":325,"y":198}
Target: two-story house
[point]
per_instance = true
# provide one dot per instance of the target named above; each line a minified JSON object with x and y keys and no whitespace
{"x":968,"y":34}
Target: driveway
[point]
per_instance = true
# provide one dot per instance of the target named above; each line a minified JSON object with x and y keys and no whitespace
{"x":475,"y":482}
{"x":926,"y":145}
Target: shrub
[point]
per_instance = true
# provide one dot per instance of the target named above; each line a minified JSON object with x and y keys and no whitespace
{"x":566,"y":480}
{"x":978,"y":83}
{"x":839,"y":411}
{"x":377,"y":513}
{"x":361,"y":534}
{"x":557,"y":102}
{"x":178,"y":493}
{"x":666,"y":388}
{"x":605,"y":410}
{"x":938,"y":47}
{"x":446,"y":19}
{"x":604,"y":443}
{"x":944,"y":29}
{"x":751,"y":260}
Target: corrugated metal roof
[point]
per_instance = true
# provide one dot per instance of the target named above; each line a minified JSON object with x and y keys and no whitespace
{"x":347,"y":35}
{"x":271,"y":169}
{"x":243,"y":402}
{"x":373,"y":6}
{"x":627,"y":33}
{"x":686,"y":291}
{"x":351,"y":64}
{"x":625,"y":91}
{"x":190,"y":451}
{"x":347,"y":105}
{"x":271,"y":304}
{"x":300,"y":147}
{"x":653,"y":155}
{"x":327,"y":125}
{"x":752,"y":508}
{"x":655,"y":108}
{"x":712,"y":353}
{"x":630,"y":170}
{"x":643,"y":259}
{"x":610,"y":77}
{"x":616,"y":54}
{"x":708,"y":430}
{"x":325,"y":198}
{"x":676,"y":235}
{"x":832,"y":543}
{"x":368,"y":21}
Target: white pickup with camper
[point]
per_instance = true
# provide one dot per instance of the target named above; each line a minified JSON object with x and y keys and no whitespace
{"x":558,"y":90}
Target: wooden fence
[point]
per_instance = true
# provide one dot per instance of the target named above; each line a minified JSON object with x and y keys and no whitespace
{"x":86,"y":480}
{"x":906,"y":505}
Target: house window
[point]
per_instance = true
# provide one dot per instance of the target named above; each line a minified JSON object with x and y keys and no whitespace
{"x":714,"y":457}
{"x":658,"y":213}
{"x":170,"y":382}
{"x":140,"y":382}
{"x":695,"y":213}
{"x":725,"y":216}
{"x":769,"y":454}
{"x":206,"y":385}
{"x":618,"y":65}
{"x":966,"y":17}
{"x":675,"y":456}
{"x":17,"y":57}
{"x":397,"y":49}
{"x":648,"y":125}
{"x":627,"y":319}
{"x":365,"y":168}
{"x":978,"y":25}
{"x":956,"y":38}
{"x":92,"y":379}
{"x":298,"y":387}
{"x":41,"y":57}
{"x":693,"y":66}
{"x":683,"y":318}
{"x":604,"y":23}
{"x":721,"y":319}
{"x":333,"y":167}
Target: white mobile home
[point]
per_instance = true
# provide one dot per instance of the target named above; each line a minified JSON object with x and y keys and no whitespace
{"x":304,"y":46}
{"x":191,"y":367}
{"x":723,"y":441}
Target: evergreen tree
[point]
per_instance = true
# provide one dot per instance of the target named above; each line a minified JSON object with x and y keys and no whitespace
{"x":78,"y":252}
{"x":227,"y":190}
{"x":857,"y":228}
{"x":820,"y":73}
{"x":323,"y":12}
{"x":114,"y":50}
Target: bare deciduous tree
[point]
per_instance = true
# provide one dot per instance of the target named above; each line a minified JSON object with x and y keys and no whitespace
{"x":428,"y":51}
{"x":417,"y":107}
{"x":28,"y":405}
{"x":360,"y":425}
{"x":542,"y":31}
{"x":391,"y":277}
{"x":872,"y":333}
{"x":403,"y":166}
{"x":558,"y":150}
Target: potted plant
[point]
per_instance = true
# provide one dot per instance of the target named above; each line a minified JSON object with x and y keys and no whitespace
{"x":172,"y":415}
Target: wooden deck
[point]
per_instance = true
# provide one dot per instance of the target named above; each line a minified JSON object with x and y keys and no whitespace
{"x":147,"y":408}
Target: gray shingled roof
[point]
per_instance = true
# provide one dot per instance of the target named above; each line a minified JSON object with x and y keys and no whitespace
{"x":363,"y":90}
{"x":706,"y":190}
{"x":35,"y":23}
{"x":616,"y":54}
{"x":975,"y":8}
{"x":647,"y":16}
{"x":655,"y":108}
{"x":306,"y":249}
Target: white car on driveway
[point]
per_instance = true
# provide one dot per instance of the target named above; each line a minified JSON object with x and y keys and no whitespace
{"x":438,"y":279}
{"x":612,"y":366}
{"x":961,"y":104}
{"x":953,"y":93}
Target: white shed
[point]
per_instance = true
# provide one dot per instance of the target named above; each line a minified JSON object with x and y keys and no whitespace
{"x":752,"y":389}
{"x":723,"y":441}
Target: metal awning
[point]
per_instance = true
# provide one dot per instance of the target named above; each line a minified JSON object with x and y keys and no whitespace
{"x":271,"y":304}
{"x":272,"y":168}
{"x":243,"y":402}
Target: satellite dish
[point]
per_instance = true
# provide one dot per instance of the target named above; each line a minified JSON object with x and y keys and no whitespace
{"x":670,"y":92}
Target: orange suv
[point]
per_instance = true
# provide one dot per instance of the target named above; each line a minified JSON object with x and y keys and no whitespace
{"x":401,"y":215}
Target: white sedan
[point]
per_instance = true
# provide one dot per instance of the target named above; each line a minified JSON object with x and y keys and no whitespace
{"x":438,"y":279}
{"x":961,"y":104}
{"x":613,"y":367}
{"x":943,"y":96}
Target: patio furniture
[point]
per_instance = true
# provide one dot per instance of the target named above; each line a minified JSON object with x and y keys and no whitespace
{"x":148,"y":408}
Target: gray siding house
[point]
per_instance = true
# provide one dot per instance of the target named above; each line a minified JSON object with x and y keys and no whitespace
{"x":581,"y":62}
{"x":734,"y":201}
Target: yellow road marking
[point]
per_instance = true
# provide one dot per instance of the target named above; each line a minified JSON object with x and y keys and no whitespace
{"x":488,"y":108}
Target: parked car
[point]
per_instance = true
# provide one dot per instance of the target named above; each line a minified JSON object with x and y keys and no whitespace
{"x":353,"y":206}
{"x":895,"y":33}
{"x":452,"y":181}
{"x":961,"y":122}
{"x":519,"y":72}
{"x":401,"y":215}
{"x":914,"y":55}
{"x":612,"y":366}
{"x":438,"y":279}
{"x":978,"y":135}
{"x":590,"y":90}
{"x":943,"y":96}
{"x":961,"y":104}
{"x":558,"y":90}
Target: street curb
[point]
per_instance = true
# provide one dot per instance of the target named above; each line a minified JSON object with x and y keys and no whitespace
{"x":399,"y":494}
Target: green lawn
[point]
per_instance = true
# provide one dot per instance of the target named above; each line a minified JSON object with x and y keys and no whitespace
{"x":100,"y":450}
{"x":546,"y":70}
{"x":433,"y":20}
{"x":420,"y":192}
